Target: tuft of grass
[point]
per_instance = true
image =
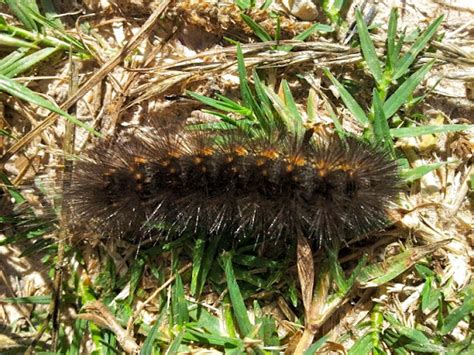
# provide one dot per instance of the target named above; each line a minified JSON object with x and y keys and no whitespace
{"x":264,"y":36}
{"x":29,"y":55}
{"x":334,"y":10}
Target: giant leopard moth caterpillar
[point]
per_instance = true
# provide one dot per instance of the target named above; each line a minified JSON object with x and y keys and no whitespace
{"x":265,"y":186}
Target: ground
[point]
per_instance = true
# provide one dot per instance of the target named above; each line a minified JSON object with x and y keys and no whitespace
{"x":116,"y":66}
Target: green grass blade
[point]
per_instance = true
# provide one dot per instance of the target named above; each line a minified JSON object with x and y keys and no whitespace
{"x":256,"y":28}
{"x":214,"y":126}
{"x":290,"y":102}
{"x":398,"y":47}
{"x":86,"y":293}
{"x":13,"y":57}
{"x":35,"y":37}
{"x":58,"y":30}
{"x":401,"y":95}
{"x":296,"y":121}
{"x":174,"y":346}
{"x":311,"y":106}
{"x":148,"y":345}
{"x":355,"y":273}
{"x":245,"y":4}
{"x":278,"y":28}
{"x":5,"y":133}
{"x":193,"y":335}
{"x":182,"y":304}
{"x":456,"y":315}
{"x":254,"y":261}
{"x":348,"y":100}
{"x":136,"y":273}
{"x":245,"y":92}
{"x":265,"y":116}
{"x":22,"y":92}
{"x":209,"y":260}
{"x":250,"y":278}
{"x":226,"y":106}
{"x":10,"y":41}
{"x":14,"y":193}
{"x":238,"y":304}
{"x":260,"y":91}
{"x":380,"y":273}
{"x":19,"y":8}
{"x":79,"y":330}
{"x":337,"y":273}
{"x":413,"y":340}
{"x":392,"y":55}
{"x":317,"y":345}
{"x":50,"y":12}
{"x":420,"y":171}
{"x":402,"y":66}
{"x":227,"y":101}
{"x":28,"y":62}
{"x":268,"y":331}
{"x":230,"y":326}
{"x":430,"y":296}
{"x":266,"y":4}
{"x":293,"y":293}
{"x":423,"y":130}
{"x":335,"y":119}
{"x":205,"y":321}
{"x":380,"y":125}
{"x":285,"y":116}
{"x":226,"y":124}
{"x":332,"y":8}
{"x":198,"y":256}
{"x":368,"y":49}
{"x":376,"y":325}
{"x":317,"y":27}
{"x":363,"y":345}
{"x":424,"y":271}
{"x":27,"y":300}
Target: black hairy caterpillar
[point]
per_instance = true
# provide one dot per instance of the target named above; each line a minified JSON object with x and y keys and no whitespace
{"x":265,"y":186}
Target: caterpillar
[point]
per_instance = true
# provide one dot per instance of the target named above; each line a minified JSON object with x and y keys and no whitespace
{"x":269,"y":186}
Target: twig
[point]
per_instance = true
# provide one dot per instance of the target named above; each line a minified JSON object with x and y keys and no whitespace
{"x":39,"y":334}
{"x":153,"y":296}
{"x":461,"y":194}
{"x":305,"y":265}
{"x":68,"y":148}
{"x":101,"y":316}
